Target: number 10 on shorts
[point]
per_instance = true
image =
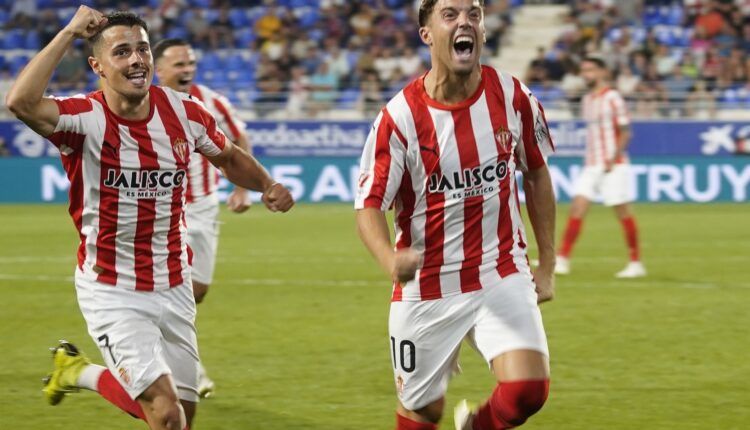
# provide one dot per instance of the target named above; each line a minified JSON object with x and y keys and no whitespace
{"x":406,"y":357}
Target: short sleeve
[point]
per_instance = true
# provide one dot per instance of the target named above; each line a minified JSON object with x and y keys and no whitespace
{"x":382,"y":165}
{"x":76,"y":114}
{"x":536,"y":141}
{"x":209,"y":140}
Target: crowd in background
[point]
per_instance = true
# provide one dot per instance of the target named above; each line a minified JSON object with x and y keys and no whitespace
{"x":298,"y":56}
{"x":668,"y":58}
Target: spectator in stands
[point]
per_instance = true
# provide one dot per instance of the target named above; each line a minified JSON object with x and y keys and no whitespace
{"x":385,"y":64}
{"x":274,"y":46}
{"x":170,"y":11}
{"x":710,"y":20}
{"x":627,"y":82}
{"x":700,"y":103}
{"x":337,"y":60}
{"x":47,"y":26}
{"x":272,"y":95}
{"x":198,"y":28}
{"x":371,"y":97}
{"x":298,"y":92}
{"x":221,"y":32}
{"x":323,"y":86}
{"x":664,"y":60}
{"x":268,"y":24}
{"x":689,"y":67}
{"x":155,"y":23}
{"x":70,"y":75}
{"x":362,"y":21}
{"x":410,"y":63}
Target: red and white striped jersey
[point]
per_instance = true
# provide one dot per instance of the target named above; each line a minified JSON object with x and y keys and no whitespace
{"x":449,"y":171}
{"x":203,"y":179}
{"x":604,"y":112}
{"x":128,"y":188}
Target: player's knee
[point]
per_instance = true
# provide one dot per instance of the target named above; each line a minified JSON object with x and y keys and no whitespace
{"x":199,"y":291}
{"x":432,"y":412}
{"x":520,"y":400}
{"x":168,"y":414}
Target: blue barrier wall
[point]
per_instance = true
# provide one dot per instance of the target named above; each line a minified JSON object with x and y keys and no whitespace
{"x":345,"y":139}
{"x":320,"y":179}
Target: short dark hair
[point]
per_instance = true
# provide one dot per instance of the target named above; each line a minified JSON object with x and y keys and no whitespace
{"x":425,"y":10}
{"x":600,"y":63}
{"x":127,"y":19}
{"x":157,"y":51}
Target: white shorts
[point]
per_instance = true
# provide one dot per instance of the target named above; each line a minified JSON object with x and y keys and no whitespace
{"x":203,"y":236}
{"x":614,"y":188}
{"x":426,"y":336}
{"x":143,"y":335}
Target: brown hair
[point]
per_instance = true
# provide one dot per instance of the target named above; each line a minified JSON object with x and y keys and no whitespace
{"x":425,"y":10}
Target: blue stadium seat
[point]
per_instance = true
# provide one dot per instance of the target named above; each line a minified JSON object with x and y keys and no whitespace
{"x":17,"y":63}
{"x":32,"y":41}
{"x":177,"y":33}
{"x":236,"y":62}
{"x":14,"y":39}
{"x":244,"y":37}
{"x":4,"y":16}
{"x":239,"y":18}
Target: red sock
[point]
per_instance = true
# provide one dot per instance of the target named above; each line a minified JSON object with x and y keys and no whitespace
{"x":631,"y":237}
{"x":570,"y":236}
{"x":403,"y":423}
{"x":511,"y":404}
{"x":110,"y":388}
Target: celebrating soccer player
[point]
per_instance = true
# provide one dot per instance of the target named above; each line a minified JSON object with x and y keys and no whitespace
{"x":444,"y":152}
{"x":607,"y":169}
{"x":175,"y":67}
{"x":126,"y":150}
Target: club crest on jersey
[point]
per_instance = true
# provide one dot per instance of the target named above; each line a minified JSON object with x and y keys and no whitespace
{"x":180,"y":149}
{"x":471,"y":182}
{"x":504,"y":139}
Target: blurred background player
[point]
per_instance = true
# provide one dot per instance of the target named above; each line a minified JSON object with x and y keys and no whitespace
{"x":126,"y":151}
{"x":175,"y":67}
{"x":607,"y":169}
{"x":444,"y":152}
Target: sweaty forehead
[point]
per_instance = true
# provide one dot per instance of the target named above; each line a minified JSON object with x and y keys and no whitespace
{"x":121,"y":34}
{"x":457,"y":4}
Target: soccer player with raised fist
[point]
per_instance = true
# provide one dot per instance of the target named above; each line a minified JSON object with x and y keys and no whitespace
{"x":126,"y":150}
{"x":444,"y":153}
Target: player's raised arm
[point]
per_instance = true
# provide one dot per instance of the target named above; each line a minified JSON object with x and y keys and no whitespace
{"x":26,"y":96}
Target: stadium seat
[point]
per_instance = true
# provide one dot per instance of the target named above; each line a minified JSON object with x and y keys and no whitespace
{"x":239,"y":18}
{"x":32,"y":41}
{"x":17,"y":63}
{"x":14,"y":39}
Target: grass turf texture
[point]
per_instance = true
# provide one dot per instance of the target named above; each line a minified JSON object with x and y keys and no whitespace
{"x":294,"y":328}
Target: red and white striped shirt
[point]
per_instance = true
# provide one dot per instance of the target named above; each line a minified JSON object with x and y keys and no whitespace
{"x":203,"y":177}
{"x":128,"y":180}
{"x":604,"y":112}
{"x":450,"y":173}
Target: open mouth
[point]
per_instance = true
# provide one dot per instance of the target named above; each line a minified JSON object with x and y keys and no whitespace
{"x":463,"y":47}
{"x":137,"y":78}
{"x":185,"y":81}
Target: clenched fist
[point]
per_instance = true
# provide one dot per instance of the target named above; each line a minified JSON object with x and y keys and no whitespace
{"x":86,"y":22}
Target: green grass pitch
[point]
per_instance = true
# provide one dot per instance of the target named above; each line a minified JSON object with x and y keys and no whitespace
{"x":294,"y":327}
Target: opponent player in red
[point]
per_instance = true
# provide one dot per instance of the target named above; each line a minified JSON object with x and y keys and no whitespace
{"x":607,"y":168}
{"x":444,"y":153}
{"x":175,"y":67}
{"x":126,"y":151}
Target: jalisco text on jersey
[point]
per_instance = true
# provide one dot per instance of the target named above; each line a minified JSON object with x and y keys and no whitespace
{"x":468,"y":178}
{"x":148,"y":179}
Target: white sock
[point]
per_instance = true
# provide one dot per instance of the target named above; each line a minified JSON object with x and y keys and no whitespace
{"x":89,"y":377}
